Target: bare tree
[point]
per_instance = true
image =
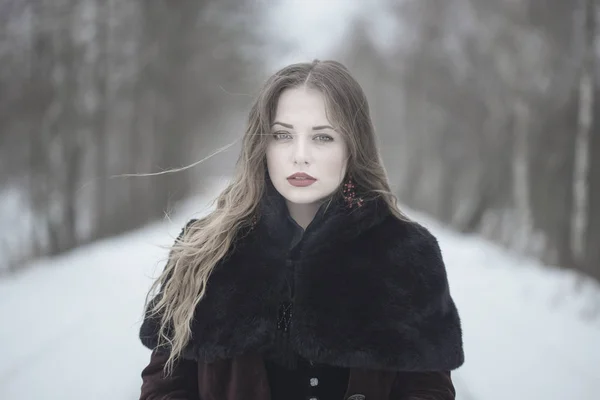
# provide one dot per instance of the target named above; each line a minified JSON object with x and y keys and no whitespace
{"x":94,"y":89}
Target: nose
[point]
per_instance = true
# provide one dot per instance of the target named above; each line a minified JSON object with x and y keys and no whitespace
{"x":300,"y":152}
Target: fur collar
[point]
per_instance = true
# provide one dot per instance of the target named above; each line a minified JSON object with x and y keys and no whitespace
{"x":371,"y":291}
{"x":334,"y":224}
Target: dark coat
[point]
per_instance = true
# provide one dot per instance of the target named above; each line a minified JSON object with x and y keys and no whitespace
{"x":370,"y":294}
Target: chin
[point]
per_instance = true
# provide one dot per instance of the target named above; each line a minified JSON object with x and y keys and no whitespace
{"x":303,"y":196}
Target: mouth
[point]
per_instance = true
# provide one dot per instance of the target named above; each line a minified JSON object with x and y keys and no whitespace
{"x":300,"y":176}
{"x":301,"y":180}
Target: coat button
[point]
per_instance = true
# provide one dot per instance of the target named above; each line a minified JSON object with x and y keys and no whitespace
{"x":314,"y":381}
{"x":357,"y":397}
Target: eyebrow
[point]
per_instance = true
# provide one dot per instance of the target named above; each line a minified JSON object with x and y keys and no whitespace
{"x":315,"y":128}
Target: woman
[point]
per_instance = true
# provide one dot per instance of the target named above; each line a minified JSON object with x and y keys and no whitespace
{"x":306,"y":282}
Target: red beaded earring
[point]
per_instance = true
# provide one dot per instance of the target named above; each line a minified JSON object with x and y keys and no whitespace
{"x":349,"y":194}
{"x":253,"y":221}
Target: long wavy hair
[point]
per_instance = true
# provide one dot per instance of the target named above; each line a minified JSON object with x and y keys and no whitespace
{"x":205,"y":242}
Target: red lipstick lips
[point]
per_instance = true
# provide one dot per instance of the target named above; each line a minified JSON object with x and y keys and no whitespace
{"x":300,"y":179}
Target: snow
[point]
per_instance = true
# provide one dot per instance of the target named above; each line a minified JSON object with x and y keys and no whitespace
{"x":74,"y":320}
{"x":530,"y":331}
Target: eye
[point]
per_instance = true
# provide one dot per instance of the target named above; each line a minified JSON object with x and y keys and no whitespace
{"x":281,"y":135}
{"x":324,"y":138}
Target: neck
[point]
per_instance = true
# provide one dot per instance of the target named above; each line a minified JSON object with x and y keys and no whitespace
{"x":303,"y":214}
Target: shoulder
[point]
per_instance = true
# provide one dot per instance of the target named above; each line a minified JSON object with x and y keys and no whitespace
{"x":186,"y":228}
{"x":411,"y":251}
{"x":182,"y":233}
{"x":189,"y":224}
{"x":407,"y":238}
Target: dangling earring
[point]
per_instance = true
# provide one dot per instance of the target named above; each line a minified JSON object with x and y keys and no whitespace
{"x":253,"y":222}
{"x":349,"y":194}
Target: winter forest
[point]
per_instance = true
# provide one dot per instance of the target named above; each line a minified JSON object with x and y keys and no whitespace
{"x":487,"y":112}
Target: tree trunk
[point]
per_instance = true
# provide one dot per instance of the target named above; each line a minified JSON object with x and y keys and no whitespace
{"x":589,"y":138}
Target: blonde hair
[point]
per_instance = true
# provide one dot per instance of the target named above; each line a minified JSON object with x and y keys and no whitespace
{"x":208,"y":240}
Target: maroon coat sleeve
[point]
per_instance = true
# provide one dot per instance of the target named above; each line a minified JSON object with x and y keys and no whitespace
{"x":182,"y":384}
{"x":423,"y":386}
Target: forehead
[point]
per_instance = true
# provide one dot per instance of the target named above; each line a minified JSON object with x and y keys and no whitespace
{"x":301,"y":103}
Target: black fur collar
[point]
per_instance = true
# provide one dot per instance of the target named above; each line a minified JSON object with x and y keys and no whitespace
{"x":334,"y":223}
{"x":370,"y":292}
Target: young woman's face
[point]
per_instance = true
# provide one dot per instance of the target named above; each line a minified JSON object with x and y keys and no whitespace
{"x":304,"y":141}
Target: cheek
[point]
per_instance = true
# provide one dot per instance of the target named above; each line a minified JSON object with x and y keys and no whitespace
{"x":269,"y":162}
{"x":271,"y":157}
{"x":336,"y":165}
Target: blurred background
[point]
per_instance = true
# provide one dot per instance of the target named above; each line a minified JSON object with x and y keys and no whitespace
{"x":487,"y":112}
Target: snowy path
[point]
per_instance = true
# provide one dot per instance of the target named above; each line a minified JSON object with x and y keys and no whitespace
{"x":527,"y":334}
{"x":74,"y":321}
